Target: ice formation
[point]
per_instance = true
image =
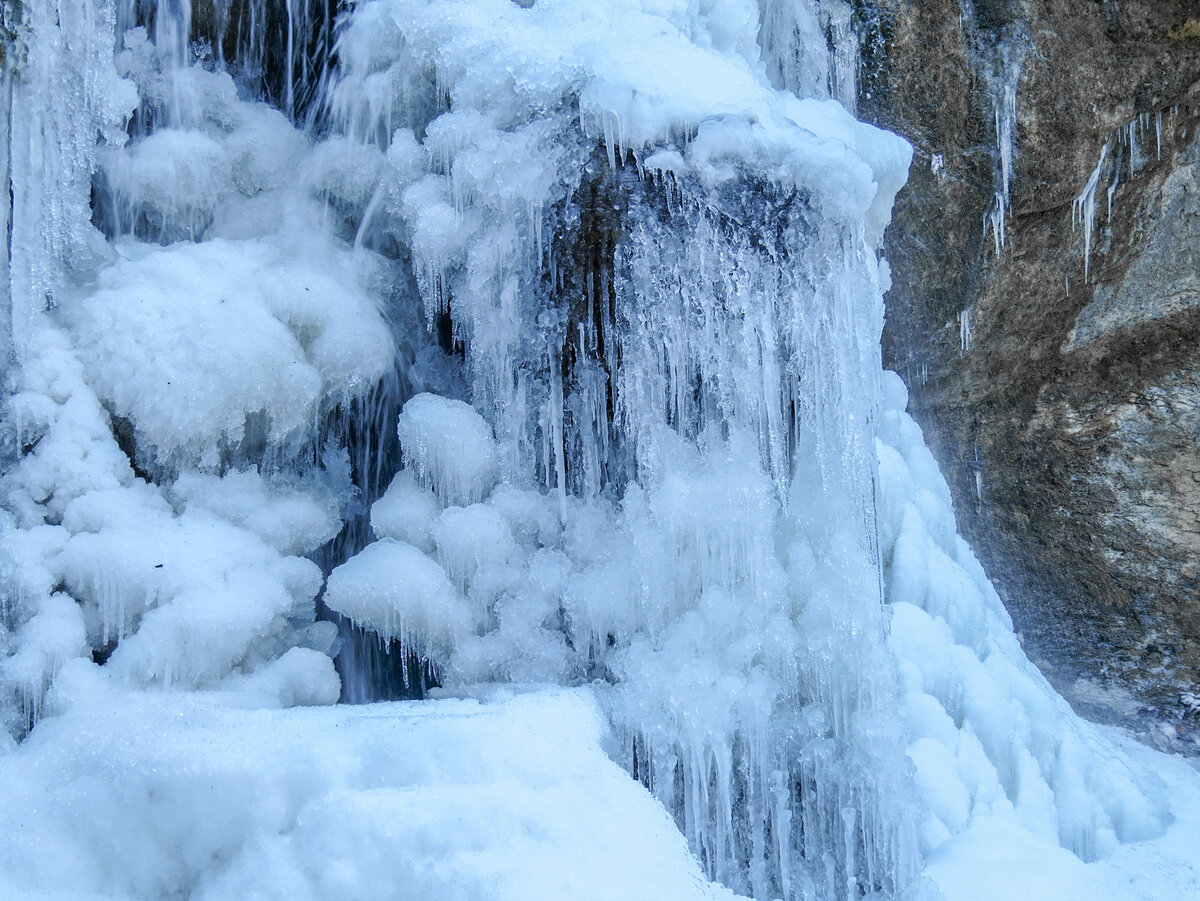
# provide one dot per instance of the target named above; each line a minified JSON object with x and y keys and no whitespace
{"x":1121,"y":158}
{"x":448,"y":448}
{"x":998,"y":51}
{"x":537,"y":343}
{"x":1083,"y":209}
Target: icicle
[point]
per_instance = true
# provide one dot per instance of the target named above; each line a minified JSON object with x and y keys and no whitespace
{"x":1083,"y":209}
{"x":289,"y":90}
{"x":995,"y":220}
{"x":843,"y":73}
{"x":1000,"y":63}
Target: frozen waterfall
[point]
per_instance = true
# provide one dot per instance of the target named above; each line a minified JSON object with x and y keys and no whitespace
{"x":519,"y":355}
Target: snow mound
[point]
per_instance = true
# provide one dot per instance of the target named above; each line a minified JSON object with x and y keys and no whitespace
{"x":185,"y":598}
{"x":406,"y":512}
{"x":472,"y":543}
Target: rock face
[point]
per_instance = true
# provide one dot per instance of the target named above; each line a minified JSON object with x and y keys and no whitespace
{"x":1059,"y":379}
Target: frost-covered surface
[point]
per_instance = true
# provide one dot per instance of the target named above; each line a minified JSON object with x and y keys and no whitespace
{"x":166,"y":328}
{"x":659,"y":459}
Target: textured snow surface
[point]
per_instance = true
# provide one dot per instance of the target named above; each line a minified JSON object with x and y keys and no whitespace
{"x":164,"y":796}
{"x":136,"y":796}
{"x":988,"y":737}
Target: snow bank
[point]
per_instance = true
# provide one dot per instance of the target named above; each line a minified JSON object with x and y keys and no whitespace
{"x":990,"y":739}
{"x":998,"y":860}
{"x":512,"y":798}
{"x":644,"y":75}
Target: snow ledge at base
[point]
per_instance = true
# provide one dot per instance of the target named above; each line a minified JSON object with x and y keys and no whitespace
{"x":143,"y":795}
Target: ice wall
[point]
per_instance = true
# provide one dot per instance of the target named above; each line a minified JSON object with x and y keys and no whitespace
{"x":548,"y":352}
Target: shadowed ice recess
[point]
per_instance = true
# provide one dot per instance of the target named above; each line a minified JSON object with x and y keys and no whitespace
{"x":524,"y":358}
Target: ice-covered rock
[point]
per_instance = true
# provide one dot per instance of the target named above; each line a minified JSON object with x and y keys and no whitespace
{"x":448,"y":447}
{"x":399,"y":592}
{"x":192,"y":342}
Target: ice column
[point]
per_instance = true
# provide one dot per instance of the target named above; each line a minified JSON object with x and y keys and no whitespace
{"x":759,"y":343}
{"x":65,"y":92}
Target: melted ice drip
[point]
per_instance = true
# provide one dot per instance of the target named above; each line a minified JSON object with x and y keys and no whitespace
{"x":277,"y":51}
{"x":54,"y":147}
